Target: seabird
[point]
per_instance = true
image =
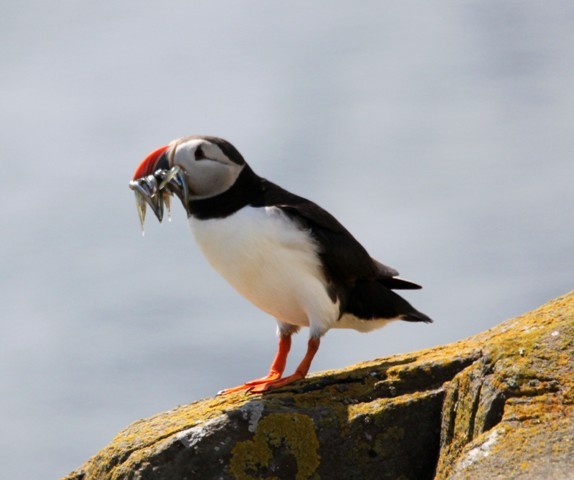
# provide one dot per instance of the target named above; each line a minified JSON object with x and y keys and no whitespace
{"x":282,"y":252}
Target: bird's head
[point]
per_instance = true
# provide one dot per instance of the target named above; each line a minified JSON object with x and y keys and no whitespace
{"x":192,"y":168}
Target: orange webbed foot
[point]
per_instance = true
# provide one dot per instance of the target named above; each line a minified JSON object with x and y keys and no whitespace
{"x":275,"y":372}
{"x":274,"y":379}
{"x":249,"y":386}
{"x":275,"y":384}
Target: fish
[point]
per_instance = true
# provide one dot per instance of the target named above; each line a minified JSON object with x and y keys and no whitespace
{"x":155,"y":190}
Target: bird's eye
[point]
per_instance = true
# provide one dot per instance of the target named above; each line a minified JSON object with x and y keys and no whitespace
{"x":199,"y":155}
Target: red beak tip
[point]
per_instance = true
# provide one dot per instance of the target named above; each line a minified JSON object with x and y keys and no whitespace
{"x":147,"y":167}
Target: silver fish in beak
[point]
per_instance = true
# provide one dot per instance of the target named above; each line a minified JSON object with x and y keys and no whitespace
{"x":174,"y":182}
{"x":147,"y":192}
{"x":155,"y":190}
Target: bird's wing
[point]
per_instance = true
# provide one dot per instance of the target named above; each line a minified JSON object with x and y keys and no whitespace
{"x":342,"y":254}
{"x":385,"y":270}
{"x":344,"y":258}
{"x":388,"y":276}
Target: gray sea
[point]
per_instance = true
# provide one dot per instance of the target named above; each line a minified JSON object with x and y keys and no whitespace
{"x":440,"y":133}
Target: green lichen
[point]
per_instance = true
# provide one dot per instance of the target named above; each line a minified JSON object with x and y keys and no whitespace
{"x":292,"y":433}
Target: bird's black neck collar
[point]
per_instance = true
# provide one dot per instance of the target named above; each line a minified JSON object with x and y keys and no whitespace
{"x":248,"y":189}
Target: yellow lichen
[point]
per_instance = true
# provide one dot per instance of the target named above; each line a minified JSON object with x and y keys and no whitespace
{"x":529,"y":365}
{"x":292,"y":432}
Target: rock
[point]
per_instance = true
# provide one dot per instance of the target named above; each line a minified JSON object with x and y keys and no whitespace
{"x":498,"y":405}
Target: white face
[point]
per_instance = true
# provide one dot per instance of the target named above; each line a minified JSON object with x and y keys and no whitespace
{"x":208,"y":170}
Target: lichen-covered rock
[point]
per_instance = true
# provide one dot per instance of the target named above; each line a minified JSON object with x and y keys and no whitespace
{"x":498,"y":405}
{"x":511,"y":413}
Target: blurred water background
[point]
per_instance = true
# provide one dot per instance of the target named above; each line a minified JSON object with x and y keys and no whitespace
{"x":440,"y":133}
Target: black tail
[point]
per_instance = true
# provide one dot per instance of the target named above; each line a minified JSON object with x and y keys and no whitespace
{"x":369,"y":300}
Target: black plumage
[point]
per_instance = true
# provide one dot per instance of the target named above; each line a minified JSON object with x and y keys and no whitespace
{"x":362,"y":285}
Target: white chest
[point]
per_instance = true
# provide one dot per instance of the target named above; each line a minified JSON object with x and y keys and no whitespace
{"x":270,"y":261}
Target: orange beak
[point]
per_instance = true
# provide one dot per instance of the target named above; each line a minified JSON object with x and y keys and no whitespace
{"x":149,"y":164}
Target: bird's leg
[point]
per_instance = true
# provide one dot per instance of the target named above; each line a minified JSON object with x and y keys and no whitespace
{"x":275,"y":371}
{"x":300,"y":372}
{"x":279,"y":362}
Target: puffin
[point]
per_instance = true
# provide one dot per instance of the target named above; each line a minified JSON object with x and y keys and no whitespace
{"x":282,"y":252}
